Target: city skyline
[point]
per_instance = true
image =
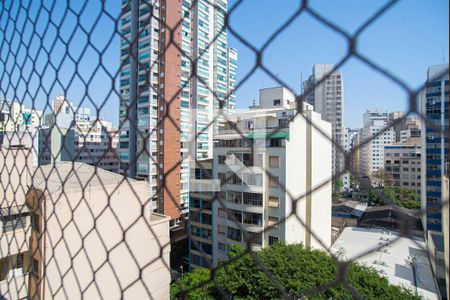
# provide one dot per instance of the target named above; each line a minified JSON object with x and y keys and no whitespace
{"x":158,"y":149}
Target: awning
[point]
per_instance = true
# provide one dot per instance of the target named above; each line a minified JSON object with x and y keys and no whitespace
{"x":265,"y":135}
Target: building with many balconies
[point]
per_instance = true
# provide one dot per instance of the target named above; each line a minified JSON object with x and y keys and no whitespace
{"x":265,"y":178}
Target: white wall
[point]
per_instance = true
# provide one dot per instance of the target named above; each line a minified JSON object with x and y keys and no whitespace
{"x":321,"y":176}
{"x":296,"y":157}
{"x":266,"y":97}
{"x":121,"y":235}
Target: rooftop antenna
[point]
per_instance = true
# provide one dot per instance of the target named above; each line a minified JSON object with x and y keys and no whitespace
{"x":443,"y":55}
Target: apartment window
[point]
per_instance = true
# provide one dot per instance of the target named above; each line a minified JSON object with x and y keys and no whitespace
{"x":274,"y":201}
{"x":234,"y":234}
{"x":274,"y":181}
{"x":276,"y":102}
{"x":222,"y":229}
{"x":252,"y":199}
{"x":235,"y":197}
{"x":252,"y":219}
{"x":235,"y":215}
{"x":274,"y":222}
{"x":221,"y":159}
{"x":273,"y":240}
{"x":253,"y":179}
{"x":222,"y":178}
{"x":19,"y":261}
{"x":13,"y":223}
{"x":255,"y":238}
{"x":274,"y":161}
{"x":34,"y":266}
{"x":222,"y":247}
{"x":222,"y":212}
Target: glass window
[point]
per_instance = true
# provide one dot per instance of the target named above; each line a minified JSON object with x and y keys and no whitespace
{"x":273,"y":240}
{"x":274,"y":181}
{"x":222,"y":229}
{"x":222,"y":247}
{"x":221,"y":159}
{"x":253,"y":219}
{"x":274,"y":201}
{"x":222,"y":212}
{"x":274,"y":161}
{"x":274,"y":222}
{"x":252,"y":199}
{"x":13,"y":223}
{"x":234,"y":234}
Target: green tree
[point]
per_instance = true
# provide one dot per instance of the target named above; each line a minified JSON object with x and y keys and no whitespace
{"x":337,"y":185}
{"x":402,"y":197}
{"x":196,"y":283}
{"x":297,"y":269}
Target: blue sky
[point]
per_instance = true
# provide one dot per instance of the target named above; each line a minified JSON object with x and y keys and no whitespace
{"x":411,"y":36}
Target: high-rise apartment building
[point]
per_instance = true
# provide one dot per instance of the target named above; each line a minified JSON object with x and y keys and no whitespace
{"x":402,"y":167}
{"x":435,"y":149}
{"x":356,"y":157}
{"x":372,"y":153}
{"x":408,"y":129}
{"x":175,"y":103}
{"x":347,"y":142}
{"x":258,"y":174}
{"x":328,"y":100}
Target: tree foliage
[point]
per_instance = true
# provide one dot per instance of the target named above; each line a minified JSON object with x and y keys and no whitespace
{"x":337,"y":185}
{"x":402,"y":197}
{"x":295,"y":268}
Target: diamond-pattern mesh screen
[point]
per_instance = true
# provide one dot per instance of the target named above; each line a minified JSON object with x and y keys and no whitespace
{"x":76,"y":230}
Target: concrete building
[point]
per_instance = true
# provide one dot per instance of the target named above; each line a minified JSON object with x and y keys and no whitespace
{"x":402,"y":167}
{"x":17,"y":122}
{"x":328,"y":100}
{"x":167,"y":91}
{"x":204,"y":190}
{"x":97,"y":228}
{"x":348,"y":141}
{"x":15,"y":176}
{"x":403,"y":262}
{"x":436,"y":253}
{"x":356,"y":158}
{"x":435,"y":150}
{"x":406,"y":130}
{"x":17,"y":117}
{"x":94,"y":143}
{"x":260,"y":173}
{"x":372,"y":153}
{"x":64,"y":114}
{"x":76,"y":136}
{"x":446,"y":229}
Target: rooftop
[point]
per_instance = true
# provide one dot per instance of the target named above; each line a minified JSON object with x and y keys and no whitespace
{"x":392,"y":259}
{"x":73,"y":176}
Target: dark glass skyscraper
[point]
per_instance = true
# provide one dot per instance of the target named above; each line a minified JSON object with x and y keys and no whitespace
{"x":435,"y":149}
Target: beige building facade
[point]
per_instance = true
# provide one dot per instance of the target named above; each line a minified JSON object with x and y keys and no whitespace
{"x":402,"y":167}
{"x":15,"y":174}
{"x":95,"y":228}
